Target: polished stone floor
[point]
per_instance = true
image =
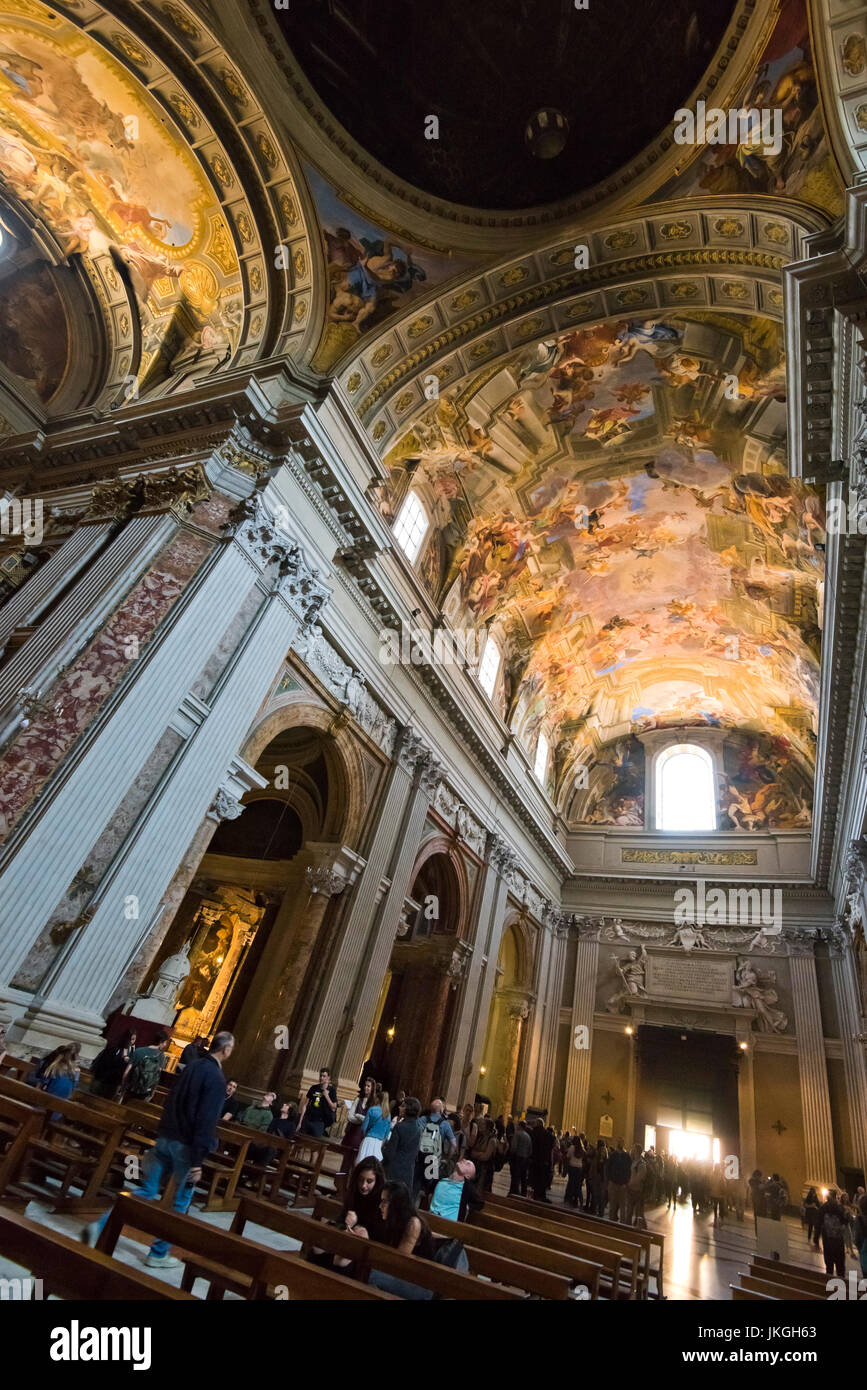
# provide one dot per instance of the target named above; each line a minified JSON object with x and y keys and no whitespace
{"x":701,"y":1260}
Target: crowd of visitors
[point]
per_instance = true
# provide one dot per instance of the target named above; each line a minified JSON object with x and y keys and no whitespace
{"x":409,"y":1159}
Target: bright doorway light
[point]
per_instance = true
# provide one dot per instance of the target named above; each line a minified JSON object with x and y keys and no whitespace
{"x":686,"y":796}
{"x":685,"y":1145}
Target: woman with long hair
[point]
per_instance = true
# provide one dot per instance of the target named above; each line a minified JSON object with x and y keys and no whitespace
{"x":361,"y":1200}
{"x":376,"y":1127}
{"x":60,"y":1077}
{"x":354,"y":1132}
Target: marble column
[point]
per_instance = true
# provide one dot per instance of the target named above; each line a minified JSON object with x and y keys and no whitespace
{"x":86,"y":974}
{"x":746,"y":1101}
{"x":417,"y":759}
{"x":517,"y":1012}
{"x":581,"y":1032}
{"x":815,"y":1100}
{"x":462,"y":1077}
{"x":320,"y":873}
{"x":854,"y":1061}
{"x":334,"y":1021}
{"x":541,"y":1056}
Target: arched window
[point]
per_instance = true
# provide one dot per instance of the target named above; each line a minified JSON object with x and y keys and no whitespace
{"x":411,"y":526}
{"x":489,"y":666}
{"x":540,"y":766}
{"x":685,"y":790}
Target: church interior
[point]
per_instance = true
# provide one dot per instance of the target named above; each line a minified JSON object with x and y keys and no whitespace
{"x":432,"y":633}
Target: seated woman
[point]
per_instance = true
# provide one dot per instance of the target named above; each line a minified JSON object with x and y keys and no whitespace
{"x":455,"y":1195}
{"x":361,"y":1212}
{"x":406,"y":1231}
{"x":60,"y":1077}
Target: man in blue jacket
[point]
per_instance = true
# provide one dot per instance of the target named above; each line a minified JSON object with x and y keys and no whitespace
{"x":187,"y":1133}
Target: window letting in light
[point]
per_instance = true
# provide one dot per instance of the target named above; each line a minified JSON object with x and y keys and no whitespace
{"x":411,"y":526}
{"x":540,"y":767}
{"x":686,"y":795}
{"x":489,"y":666}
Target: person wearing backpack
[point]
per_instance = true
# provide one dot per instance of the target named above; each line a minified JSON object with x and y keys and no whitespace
{"x":436,"y":1142}
{"x":145,"y":1067}
{"x":832,"y":1226}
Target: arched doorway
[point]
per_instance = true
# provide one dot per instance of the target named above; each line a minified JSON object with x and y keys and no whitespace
{"x":414,"y":1020}
{"x":507,"y":1021}
{"x":268,"y":884}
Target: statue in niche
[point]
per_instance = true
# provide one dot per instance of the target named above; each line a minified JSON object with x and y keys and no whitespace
{"x":752,"y":991}
{"x":158,"y":1003}
{"x":632,"y":972}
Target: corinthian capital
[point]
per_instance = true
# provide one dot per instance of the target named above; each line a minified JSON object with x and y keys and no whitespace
{"x":224,"y":806}
{"x":500,"y":855}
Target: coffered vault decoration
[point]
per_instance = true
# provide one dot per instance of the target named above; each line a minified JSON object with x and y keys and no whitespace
{"x":110,"y":160}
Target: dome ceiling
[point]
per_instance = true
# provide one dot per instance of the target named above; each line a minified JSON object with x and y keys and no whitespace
{"x":613,"y":505}
{"x":484,"y":70}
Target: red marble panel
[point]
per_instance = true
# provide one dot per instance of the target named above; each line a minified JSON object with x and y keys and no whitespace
{"x":77,"y":696}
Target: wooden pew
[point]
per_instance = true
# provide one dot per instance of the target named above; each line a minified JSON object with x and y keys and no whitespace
{"x":620,"y":1258}
{"x":368,"y":1254}
{"x":507,"y":1267}
{"x":574,"y":1268}
{"x":779,"y":1289}
{"x":294,"y":1175}
{"x":16,"y":1067}
{"x":222,"y":1257}
{"x":780,"y":1272}
{"x":19,"y":1126}
{"x":647,"y":1239}
{"x":72,"y":1271}
{"x":78,"y":1148}
{"x":221,"y":1170}
{"x":740,"y":1295}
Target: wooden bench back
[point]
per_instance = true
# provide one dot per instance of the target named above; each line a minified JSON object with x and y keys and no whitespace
{"x":650,"y":1241}
{"x":779,"y":1271}
{"x":72,"y":1271}
{"x":572,"y":1267}
{"x":263,"y":1267}
{"x":19,"y":1124}
{"x":779,"y":1290}
{"x":369,"y":1254}
{"x":495,"y":1257}
{"x":612,"y":1262}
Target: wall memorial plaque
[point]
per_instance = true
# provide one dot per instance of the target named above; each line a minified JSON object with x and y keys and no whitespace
{"x":690,"y":977}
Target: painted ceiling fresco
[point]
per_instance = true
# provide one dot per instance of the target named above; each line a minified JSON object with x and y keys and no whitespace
{"x":613,"y":504}
{"x":802,"y":168}
{"x":371,"y":272}
{"x":84,"y":147}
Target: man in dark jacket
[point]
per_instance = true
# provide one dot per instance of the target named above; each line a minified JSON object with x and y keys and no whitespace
{"x":187,"y":1133}
{"x":400,"y":1150}
{"x":619,"y":1171}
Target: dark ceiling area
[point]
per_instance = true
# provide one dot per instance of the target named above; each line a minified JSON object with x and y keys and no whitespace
{"x":617,"y":71}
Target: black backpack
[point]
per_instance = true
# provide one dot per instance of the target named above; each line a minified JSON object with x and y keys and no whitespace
{"x":452,"y":1254}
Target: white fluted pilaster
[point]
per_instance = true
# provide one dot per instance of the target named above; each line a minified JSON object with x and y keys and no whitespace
{"x":815,"y":1100}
